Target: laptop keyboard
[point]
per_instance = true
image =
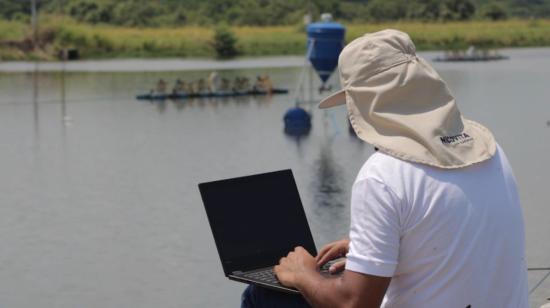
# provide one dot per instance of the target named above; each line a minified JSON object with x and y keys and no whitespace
{"x":268,"y":275}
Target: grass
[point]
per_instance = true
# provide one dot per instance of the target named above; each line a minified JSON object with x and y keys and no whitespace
{"x":453,"y":35}
{"x":106,"y":41}
{"x":12,"y":30}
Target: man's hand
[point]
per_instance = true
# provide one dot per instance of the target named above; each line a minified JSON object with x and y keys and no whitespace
{"x":332,"y":251}
{"x":295,"y":265}
{"x":351,"y":289}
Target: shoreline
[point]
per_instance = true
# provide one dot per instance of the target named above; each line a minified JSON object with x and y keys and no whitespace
{"x":136,"y":65}
{"x":151,"y":65}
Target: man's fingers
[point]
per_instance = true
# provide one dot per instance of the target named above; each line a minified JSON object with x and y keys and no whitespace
{"x":323,"y":251}
{"x":331,"y":254}
{"x":331,"y":251}
{"x":337,"y":267}
{"x":323,"y":258}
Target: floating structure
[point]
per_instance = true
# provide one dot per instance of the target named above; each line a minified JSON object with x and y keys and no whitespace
{"x":154,"y":96}
{"x":325,"y":41}
{"x":471,"y":54}
{"x":297,"y":122}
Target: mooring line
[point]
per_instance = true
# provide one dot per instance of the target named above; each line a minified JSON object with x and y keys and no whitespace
{"x":543,"y":278}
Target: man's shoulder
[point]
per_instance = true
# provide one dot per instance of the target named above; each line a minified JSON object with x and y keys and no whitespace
{"x":381,"y":166}
{"x":397,"y":173}
{"x":382,"y":163}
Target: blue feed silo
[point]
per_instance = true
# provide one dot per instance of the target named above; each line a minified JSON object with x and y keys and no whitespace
{"x":325,"y":41}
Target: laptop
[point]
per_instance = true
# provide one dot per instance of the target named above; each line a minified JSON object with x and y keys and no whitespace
{"x":256,"y":220}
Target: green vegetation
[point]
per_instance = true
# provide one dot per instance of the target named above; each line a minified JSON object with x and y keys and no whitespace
{"x":460,"y":35}
{"x":161,"y":13}
{"x":224,"y":42}
{"x":175,"y":28}
{"x":105,"y":41}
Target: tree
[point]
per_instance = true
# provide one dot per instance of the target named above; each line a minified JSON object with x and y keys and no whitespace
{"x":494,"y":11}
{"x":10,"y":8}
{"x":137,"y":12}
{"x":424,"y":10}
{"x":387,"y":10}
{"x":458,"y":10}
{"x":90,"y":11}
{"x":224,"y":42}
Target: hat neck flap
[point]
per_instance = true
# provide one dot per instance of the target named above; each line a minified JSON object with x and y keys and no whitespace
{"x":408,"y":112}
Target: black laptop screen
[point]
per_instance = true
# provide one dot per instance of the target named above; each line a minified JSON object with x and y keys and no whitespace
{"x":256,"y":220}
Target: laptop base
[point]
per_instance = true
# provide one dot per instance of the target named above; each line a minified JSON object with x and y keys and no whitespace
{"x":272,"y":282}
{"x":277,"y":287}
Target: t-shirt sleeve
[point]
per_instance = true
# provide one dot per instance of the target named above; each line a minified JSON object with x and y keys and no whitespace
{"x":375,"y":229}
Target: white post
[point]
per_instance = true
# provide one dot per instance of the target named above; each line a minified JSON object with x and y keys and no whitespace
{"x":34,"y":22}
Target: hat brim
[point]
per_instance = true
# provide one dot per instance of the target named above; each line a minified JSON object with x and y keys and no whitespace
{"x":335,"y":99}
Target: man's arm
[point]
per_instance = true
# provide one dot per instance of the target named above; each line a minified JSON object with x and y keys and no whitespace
{"x":351,"y":289}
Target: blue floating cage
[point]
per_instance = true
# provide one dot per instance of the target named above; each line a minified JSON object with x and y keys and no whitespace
{"x":297,"y":118}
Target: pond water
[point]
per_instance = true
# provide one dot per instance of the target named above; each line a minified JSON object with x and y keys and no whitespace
{"x":99,"y":205}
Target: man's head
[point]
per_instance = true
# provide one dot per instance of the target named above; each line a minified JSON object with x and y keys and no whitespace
{"x":397,"y":102}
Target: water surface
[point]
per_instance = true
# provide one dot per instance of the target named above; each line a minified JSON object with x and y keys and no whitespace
{"x":99,"y":203}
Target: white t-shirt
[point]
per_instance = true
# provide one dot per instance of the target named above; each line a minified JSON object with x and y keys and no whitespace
{"x":448,"y":238}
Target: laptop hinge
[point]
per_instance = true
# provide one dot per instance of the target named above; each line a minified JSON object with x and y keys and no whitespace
{"x":237,"y":272}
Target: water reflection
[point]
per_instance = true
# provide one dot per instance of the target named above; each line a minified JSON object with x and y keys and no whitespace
{"x":179,"y":104}
{"x":330,"y":196}
{"x":298,"y":134}
{"x":35,"y":103}
{"x":328,"y":180}
{"x":161,"y":106}
{"x":210,"y":102}
{"x":66,"y":119}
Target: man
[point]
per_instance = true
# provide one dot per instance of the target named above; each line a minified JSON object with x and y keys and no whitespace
{"x":435,"y":213}
{"x":161,"y":86}
{"x":214,"y":80}
{"x":179,"y":87}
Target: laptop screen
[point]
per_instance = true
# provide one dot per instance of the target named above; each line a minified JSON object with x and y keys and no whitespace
{"x":256,"y":220}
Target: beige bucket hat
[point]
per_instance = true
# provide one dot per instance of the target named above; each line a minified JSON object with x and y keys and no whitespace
{"x":397,"y":102}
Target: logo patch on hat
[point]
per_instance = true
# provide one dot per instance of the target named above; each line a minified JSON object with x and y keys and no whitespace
{"x":456,"y":139}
